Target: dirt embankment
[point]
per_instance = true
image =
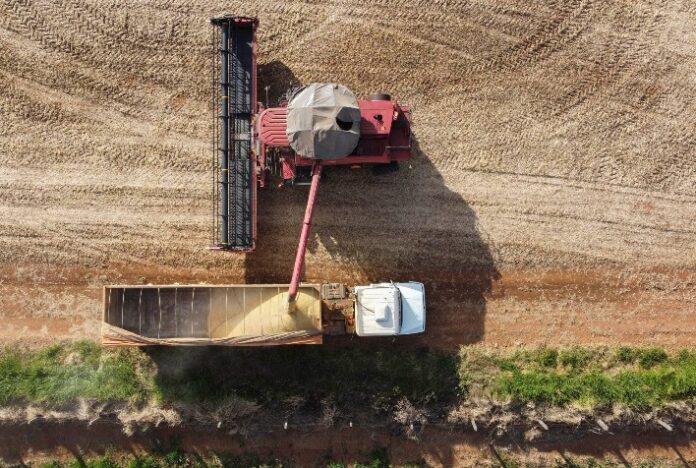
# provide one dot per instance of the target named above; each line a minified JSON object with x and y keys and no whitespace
{"x":437,"y":447}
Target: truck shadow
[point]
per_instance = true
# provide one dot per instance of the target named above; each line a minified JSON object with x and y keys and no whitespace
{"x":374,"y":226}
{"x":316,"y":391}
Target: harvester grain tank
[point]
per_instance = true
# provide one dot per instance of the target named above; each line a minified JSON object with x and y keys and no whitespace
{"x":316,"y":126}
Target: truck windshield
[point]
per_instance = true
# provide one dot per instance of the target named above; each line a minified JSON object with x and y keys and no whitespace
{"x":401,"y":310}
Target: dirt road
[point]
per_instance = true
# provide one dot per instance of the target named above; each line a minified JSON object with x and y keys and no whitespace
{"x":552,"y":198}
{"x":437,"y":447}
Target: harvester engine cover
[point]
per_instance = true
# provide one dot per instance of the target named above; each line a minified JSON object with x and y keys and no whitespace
{"x":323,"y":121}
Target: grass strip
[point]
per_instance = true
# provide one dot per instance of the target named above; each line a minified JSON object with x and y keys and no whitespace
{"x":348,"y":377}
{"x":636,"y":377}
{"x":62,"y":373}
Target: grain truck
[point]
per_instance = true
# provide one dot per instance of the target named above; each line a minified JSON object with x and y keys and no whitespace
{"x":256,"y":315}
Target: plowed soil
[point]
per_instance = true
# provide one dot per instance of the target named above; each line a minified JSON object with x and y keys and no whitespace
{"x":551,"y":198}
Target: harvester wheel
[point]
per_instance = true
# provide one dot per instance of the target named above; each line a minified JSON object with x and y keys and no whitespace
{"x":383,"y":169}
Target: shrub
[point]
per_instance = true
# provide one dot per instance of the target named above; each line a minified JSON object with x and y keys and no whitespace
{"x":144,"y":461}
{"x":175,"y":458}
{"x":548,"y":357}
{"x":51,"y":464}
{"x":379,"y":458}
{"x":102,"y":462}
{"x":626,"y":355}
{"x":651,"y":356}
{"x":576,"y":359}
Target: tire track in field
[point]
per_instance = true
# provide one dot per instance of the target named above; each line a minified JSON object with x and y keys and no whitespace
{"x":551,"y":136}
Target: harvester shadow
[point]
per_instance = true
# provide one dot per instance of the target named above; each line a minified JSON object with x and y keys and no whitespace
{"x":275,"y":79}
{"x":396,"y":225}
{"x":308,"y":389}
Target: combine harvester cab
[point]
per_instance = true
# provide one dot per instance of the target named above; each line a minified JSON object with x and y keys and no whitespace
{"x":255,"y":315}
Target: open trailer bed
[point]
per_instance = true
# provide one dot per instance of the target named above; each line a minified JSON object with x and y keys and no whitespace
{"x":234,"y":315}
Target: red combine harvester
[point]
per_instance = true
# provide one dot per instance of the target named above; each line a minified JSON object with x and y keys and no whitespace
{"x":316,"y":126}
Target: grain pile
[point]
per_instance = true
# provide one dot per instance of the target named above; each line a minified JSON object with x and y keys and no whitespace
{"x":552,"y":198}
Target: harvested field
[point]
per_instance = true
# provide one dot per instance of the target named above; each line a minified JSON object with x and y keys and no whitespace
{"x":552,"y":198}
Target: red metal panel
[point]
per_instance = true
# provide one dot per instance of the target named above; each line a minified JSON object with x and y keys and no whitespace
{"x":288,"y":164}
{"x":376,"y":118}
{"x":273,"y":124}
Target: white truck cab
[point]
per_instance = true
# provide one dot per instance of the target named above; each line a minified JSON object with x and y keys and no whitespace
{"x":390,"y":309}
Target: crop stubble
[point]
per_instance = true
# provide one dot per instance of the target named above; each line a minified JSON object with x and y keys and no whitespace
{"x":551,"y":199}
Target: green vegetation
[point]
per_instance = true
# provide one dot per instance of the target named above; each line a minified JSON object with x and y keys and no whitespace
{"x":176,"y":458}
{"x":62,"y":373}
{"x":507,"y":460}
{"x":172,"y":459}
{"x":635,"y":377}
{"x":348,"y":377}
